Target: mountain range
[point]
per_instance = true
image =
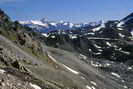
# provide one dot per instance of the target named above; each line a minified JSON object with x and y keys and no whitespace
{"x":45,"y":26}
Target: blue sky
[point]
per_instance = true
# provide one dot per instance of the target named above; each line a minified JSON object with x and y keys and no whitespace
{"x":68,"y":10}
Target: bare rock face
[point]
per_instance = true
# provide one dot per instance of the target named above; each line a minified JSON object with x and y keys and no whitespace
{"x":8,"y":81}
{"x":8,"y":58}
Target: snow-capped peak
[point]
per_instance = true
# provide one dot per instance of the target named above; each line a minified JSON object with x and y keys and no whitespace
{"x":37,"y":22}
{"x":24,"y":22}
{"x":46,"y":26}
{"x":98,"y":28}
{"x":120,"y":24}
{"x":71,"y":25}
{"x":53,"y":23}
{"x":65,"y":23}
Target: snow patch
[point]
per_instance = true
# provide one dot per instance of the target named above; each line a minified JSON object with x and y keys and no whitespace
{"x":100,"y":50}
{"x":98,"y":28}
{"x":123,"y":81}
{"x":129,"y":68}
{"x":95,"y":64}
{"x":120,"y":49}
{"x":115,"y":74}
{"x":132,"y":33}
{"x":88,"y":87}
{"x":94,"y":83}
{"x":53,"y":24}
{"x":119,"y":28}
{"x":65,"y":24}
{"x":93,"y":87}
{"x":120,"y":24}
{"x":24,"y":22}
{"x":121,"y":35}
{"x":44,"y":34}
{"x":91,"y":33}
{"x":71,"y":70}
{"x":77,"y":25}
{"x":71,"y":25}
{"x":52,"y":58}
{"x":35,"y":86}
{"x":115,"y":46}
{"x":82,"y":77}
{"x":90,"y":50}
{"x":108,"y":44}
{"x":83,"y":56}
{"x":97,"y":53}
{"x":107,"y":64}
{"x":52,"y":36}
{"x":39,"y":23}
{"x":97,"y":46}
{"x":128,"y":53}
{"x":125,"y":87}
{"x":2,"y":71}
{"x":73,"y":36}
{"x":96,"y":38}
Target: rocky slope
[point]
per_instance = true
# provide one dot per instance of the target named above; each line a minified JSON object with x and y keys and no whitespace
{"x":26,"y":62}
{"x":111,"y":40}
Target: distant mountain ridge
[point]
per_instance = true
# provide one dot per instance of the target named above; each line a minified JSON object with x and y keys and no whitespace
{"x":44,"y":26}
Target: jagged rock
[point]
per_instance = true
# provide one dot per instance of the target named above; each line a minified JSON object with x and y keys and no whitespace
{"x":16,"y":64}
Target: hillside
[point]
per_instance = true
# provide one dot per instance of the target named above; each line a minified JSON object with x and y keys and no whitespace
{"x":27,"y":62}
